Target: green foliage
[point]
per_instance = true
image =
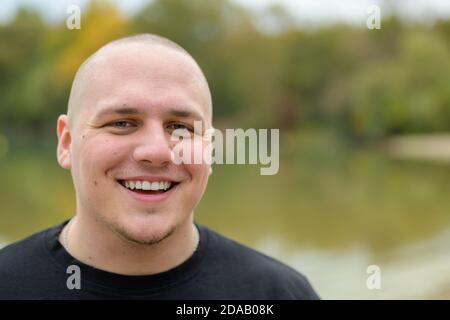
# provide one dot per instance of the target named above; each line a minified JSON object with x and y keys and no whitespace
{"x":366,"y":84}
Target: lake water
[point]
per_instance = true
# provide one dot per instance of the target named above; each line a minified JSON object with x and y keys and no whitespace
{"x":328,"y":214}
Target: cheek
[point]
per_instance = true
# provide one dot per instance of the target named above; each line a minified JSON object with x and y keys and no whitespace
{"x":199,"y":165}
{"x":198,"y":172}
{"x":97,"y":155}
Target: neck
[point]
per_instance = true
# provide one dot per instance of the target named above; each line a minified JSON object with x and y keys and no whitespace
{"x":94,"y":244}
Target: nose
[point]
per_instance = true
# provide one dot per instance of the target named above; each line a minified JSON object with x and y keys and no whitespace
{"x":153,"y":147}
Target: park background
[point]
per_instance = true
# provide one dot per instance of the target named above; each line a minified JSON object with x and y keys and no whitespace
{"x":364,"y":117}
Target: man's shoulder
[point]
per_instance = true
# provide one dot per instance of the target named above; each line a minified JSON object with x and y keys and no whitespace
{"x":23,"y":255}
{"x":26,"y":267}
{"x":254,"y":266}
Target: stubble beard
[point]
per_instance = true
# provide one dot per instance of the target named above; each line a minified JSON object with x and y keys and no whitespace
{"x":148,"y":241}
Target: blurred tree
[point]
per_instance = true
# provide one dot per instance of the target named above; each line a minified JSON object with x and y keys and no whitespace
{"x":38,"y":63}
{"x":263,"y":70}
{"x":20,"y":44}
{"x":405,"y":93}
{"x":101,"y":23}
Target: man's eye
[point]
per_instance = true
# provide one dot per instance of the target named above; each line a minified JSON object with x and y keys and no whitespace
{"x":121,"y":124}
{"x":175,"y":126}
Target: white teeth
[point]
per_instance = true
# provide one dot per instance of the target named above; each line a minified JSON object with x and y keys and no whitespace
{"x":155,"y":186}
{"x":147,"y":185}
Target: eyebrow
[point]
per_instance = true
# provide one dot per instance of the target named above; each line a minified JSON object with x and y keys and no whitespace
{"x":176,"y":112}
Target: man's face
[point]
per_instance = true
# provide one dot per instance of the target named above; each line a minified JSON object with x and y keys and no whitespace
{"x":133,"y":99}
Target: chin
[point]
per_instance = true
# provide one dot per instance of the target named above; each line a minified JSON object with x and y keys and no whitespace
{"x":145,"y":232}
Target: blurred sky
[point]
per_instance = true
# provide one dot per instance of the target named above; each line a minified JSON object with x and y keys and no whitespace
{"x":306,"y":12}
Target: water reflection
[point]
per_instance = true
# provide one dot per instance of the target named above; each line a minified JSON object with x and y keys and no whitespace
{"x":327,"y":213}
{"x":419,"y":270}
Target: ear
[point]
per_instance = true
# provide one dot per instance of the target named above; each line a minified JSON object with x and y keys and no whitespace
{"x":64,"y":141}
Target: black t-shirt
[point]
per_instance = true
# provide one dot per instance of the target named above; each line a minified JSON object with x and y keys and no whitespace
{"x":38,"y":267}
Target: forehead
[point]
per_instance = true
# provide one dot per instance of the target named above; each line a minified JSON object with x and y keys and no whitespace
{"x":150,"y":77}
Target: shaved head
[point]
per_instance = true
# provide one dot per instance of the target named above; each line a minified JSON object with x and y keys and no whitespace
{"x":128,"y":101}
{"x":104,"y":58}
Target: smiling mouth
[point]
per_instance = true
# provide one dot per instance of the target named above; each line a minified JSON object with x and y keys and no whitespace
{"x":147,"y":187}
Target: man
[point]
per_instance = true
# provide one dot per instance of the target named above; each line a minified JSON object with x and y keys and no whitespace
{"x":133,"y":234}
